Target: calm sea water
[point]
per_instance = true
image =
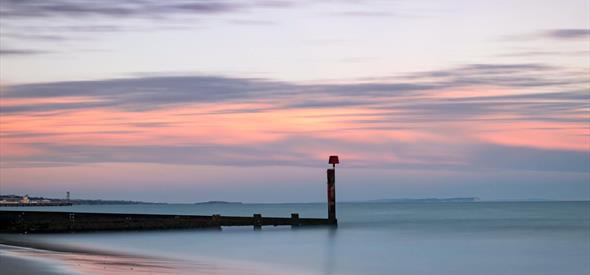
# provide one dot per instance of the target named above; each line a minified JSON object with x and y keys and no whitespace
{"x":372,"y":238}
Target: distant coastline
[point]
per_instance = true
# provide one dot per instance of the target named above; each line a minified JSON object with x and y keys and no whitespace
{"x":43,"y":201}
{"x":219,"y":202}
{"x":426,"y":200}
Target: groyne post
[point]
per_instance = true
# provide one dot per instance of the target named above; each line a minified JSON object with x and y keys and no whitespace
{"x":216,"y":220}
{"x":257,"y":221}
{"x":295,"y":220}
{"x":332,"y":189}
{"x":331,"y":196}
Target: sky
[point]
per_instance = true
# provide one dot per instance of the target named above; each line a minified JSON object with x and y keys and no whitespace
{"x":185,"y":101}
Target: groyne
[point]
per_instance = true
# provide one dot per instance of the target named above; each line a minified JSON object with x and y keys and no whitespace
{"x":50,"y":222}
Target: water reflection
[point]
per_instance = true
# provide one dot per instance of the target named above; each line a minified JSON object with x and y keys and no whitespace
{"x":330,"y":248}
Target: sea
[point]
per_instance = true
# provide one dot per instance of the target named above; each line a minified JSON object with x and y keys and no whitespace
{"x":519,"y":238}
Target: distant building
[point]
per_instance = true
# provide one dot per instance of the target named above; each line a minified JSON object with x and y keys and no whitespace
{"x":25,"y":199}
{"x":15,"y":200}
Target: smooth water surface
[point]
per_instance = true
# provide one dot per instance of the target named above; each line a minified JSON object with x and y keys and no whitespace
{"x":372,"y":238}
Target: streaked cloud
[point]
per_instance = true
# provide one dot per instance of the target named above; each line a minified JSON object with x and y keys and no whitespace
{"x":567,"y":34}
{"x":284,"y":153}
{"x":142,"y":8}
{"x":20,"y":52}
{"x":61,"y":18}
{"x":468,"y":116}
{"x":394,"y":87}
{"x":578,"y":34}
{"x":154,"y":92}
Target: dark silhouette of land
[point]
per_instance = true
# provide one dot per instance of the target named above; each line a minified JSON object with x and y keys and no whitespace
{"x":426,"y":200}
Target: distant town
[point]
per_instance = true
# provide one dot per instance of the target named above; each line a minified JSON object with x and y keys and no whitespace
{"x":26,"y":200}
{"x":14,"y":200}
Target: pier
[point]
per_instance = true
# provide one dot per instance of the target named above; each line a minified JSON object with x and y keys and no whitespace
{"x":51,"y":222}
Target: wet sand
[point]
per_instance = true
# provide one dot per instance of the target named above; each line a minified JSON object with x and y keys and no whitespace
{"x":23,"y":257}
{"x":10,"y":264}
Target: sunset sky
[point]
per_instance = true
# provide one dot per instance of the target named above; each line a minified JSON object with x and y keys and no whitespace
{"x":184,"y":101}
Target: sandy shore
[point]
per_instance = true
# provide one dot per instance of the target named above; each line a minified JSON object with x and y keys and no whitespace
{"x":21,"y":257}
{"x":17,"y":265}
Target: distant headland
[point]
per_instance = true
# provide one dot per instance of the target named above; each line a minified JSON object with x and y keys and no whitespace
{"x":219,"y":202}
{"x":425,"y":200}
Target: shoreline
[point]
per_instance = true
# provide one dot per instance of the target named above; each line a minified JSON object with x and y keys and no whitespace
{"x":19,"y":256}
{"x":12,"y":263}
{"x":25,"y":257}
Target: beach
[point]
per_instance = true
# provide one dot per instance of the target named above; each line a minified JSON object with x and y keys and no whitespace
{"x":23,"y":255}
{"x":24,"y":258}
{"x":10,"y":263}
{"x":20,"y":254}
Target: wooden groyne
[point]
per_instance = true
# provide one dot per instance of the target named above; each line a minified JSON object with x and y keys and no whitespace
{"x":50,"y":222}
{"x":47,"y":222}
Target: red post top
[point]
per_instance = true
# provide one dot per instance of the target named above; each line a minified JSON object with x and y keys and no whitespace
{"x":333,"y":160}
